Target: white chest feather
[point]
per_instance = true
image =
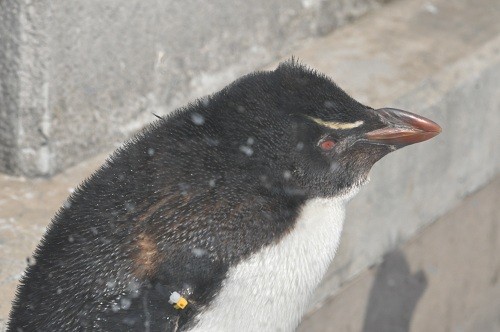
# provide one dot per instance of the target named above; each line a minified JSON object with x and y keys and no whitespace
{"x":271,"y":289}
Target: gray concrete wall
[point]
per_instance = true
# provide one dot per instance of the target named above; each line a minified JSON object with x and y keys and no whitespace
{"x":427,"y":61}
{"x":9,"y":82}
{"x":78,"y":77}
{"x":24,"y":112}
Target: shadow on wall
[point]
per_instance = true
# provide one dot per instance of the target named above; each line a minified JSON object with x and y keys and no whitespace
{"x":394,"y":295}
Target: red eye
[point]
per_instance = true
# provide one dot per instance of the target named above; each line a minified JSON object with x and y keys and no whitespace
{"x":327,"y":145}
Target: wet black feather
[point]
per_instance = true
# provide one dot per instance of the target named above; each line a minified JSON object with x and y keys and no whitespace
{"x":189,"y":197}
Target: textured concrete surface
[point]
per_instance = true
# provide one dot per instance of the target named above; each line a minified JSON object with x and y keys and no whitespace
{"x":445,"y":279}
{"x":9,"y":67}
{"x":25,"y":122}
{"x":79,"y":77}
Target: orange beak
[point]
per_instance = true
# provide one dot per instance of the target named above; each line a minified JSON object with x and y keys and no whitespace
{"x":403,"y":128}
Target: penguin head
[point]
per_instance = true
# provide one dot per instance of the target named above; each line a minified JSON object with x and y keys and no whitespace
{"x":335,"y":140}
{"x":300,"y":134}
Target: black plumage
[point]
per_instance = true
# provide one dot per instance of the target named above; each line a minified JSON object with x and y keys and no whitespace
{"x":189,"y":197}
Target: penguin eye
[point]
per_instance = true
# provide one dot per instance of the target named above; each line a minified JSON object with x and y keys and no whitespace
{"x":327,"y":144}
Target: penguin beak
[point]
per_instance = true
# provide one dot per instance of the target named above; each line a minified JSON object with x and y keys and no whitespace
{"x":402,"y":128}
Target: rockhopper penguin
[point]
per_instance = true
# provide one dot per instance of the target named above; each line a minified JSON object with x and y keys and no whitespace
{"x":222,"y":216}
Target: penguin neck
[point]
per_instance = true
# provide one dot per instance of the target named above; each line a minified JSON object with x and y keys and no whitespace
{"x":271,"y":289}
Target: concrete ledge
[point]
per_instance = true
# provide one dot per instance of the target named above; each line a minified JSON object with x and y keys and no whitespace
{"x":444,"y":279}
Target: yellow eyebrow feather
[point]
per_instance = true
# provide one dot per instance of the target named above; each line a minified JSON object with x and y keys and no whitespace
{"x":337,"y":125}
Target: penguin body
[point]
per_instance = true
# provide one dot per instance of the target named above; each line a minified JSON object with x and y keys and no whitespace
{"x":274,"y":279}
{"x":233,"y":205}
